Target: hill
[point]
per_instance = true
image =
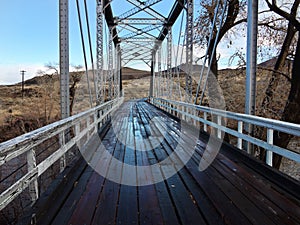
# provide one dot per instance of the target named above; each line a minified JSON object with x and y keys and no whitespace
{"x":130,"y":73}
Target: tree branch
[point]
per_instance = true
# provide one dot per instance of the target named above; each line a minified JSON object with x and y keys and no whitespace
{"x":291,"y":17}
{"x":275,"y":71}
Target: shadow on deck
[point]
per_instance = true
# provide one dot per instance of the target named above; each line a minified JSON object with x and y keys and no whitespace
{"x":235,"y":189}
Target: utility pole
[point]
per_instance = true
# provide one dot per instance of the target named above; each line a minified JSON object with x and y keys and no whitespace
{"x":22,"y":73}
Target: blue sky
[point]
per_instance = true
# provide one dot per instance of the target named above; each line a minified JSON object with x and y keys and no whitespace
{"x":29,"y":34}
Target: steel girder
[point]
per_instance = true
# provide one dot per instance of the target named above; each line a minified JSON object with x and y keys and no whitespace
{"x":137,"y":40}
{"x":100,"y":74}
{"x":64,"y":58}
{"x":189,"y":50}
{"x":159,"y":71}
{"x":169,"y":62}
{"x":110,"y":64}
{"x":150,"y":11}
{"x":141,"y":21}
{"x":135,"y":10}
{"x":142,"y":31}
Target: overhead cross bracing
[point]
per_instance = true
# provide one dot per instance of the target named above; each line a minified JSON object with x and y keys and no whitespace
{"x":137,"y":31}
{"x":144,"y":22}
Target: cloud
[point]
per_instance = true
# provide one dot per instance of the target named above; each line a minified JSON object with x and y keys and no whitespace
{"x":10,"y":73}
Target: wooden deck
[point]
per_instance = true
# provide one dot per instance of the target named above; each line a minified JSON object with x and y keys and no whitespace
{"x":235,"y":189}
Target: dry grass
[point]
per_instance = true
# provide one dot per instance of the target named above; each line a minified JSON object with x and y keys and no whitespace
{"x":20,"y":115}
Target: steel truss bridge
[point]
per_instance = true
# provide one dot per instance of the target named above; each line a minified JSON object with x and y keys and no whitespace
{"x":159,"y":160}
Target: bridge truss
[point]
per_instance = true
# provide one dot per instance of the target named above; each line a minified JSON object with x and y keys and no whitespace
{"x":149,"y":38}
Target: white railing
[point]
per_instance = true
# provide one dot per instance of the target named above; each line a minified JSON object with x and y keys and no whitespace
{"x":192,"y":112}
{"x":84,"y":124}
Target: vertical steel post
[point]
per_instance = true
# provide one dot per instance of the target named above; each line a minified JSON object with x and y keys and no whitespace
{"x":251,"y":65}
{"x":159,"y":71}
{"x":118,"y":70}
{"x":64,"y":58}
{"x":120,"y":73}
{"x":115,"y":72}
{"x":64,"y":67}
{"x":189,"y":49}
{"x":169,"y":62}
{"x":152,"y":78}
{"x":100,"y":87}
{"x":110,"y":63}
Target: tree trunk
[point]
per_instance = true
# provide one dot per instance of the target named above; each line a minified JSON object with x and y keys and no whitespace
{"x":213,"y":60}
{"x":273,"y":84}
{"x":232,"y":13}
{"x":292,"y":109}
{"x":274,"y":81}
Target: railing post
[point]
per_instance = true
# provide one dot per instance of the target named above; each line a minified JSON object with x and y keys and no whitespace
{"x":62,"y":142}
{"x":31,"y":164}
{"x":219,"y":121}
{"x":205,"y":125}
{"x":195,"y":121}
{"x":88,"y":121}
{"x":95,"y":122}
{"x":187,"y":118}
{"x":269,"y":156}
{"x":240,"y":130}
{"x":77,"y":132}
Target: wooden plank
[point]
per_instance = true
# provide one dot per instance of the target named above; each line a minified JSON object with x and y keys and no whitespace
{"x":149,"y":210}
{"x":262,"y":210}
{"x":66,"y":212}
{"x":69,"y":206}
{"x":45,"y":210}
{"x":282,"y":182}
{"x":85,"y":207}
{"x":228,"y":211}
{"x":168,"y":211}
{"x":274,"y":197}
{"x":166,"y":205}
{"x":250,"y":210}
{"x":128,"y":213}
{"x":88,"y":205}
{"x":67,"y":209}
{"x":108,"y":202}
{"x":102,"y":210}
{"x":266,"y":198}
{"x":186,"y":209}
{"x":198,"y":196}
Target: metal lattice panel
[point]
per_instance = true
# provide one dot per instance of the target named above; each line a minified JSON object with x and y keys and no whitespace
{"x":100,"y":74}
{"x":169,"y":62}
{"x":110,"y":64}
{"x":64,"y":57}
{"x":189,"y":49}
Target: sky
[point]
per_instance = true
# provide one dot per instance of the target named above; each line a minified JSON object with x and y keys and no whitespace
{"x":29,"y":35}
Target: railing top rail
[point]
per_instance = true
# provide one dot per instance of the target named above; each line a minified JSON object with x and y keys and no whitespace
{"x":282,"y":126}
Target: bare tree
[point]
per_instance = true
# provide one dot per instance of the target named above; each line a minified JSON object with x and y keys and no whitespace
{"x":291,"y":112}
{"x":75,"y":78}
{"x":235,"y":15}
{"x":48,"y":78}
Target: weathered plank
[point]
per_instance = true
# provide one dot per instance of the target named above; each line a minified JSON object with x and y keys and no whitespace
{"x":128,"y":213}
